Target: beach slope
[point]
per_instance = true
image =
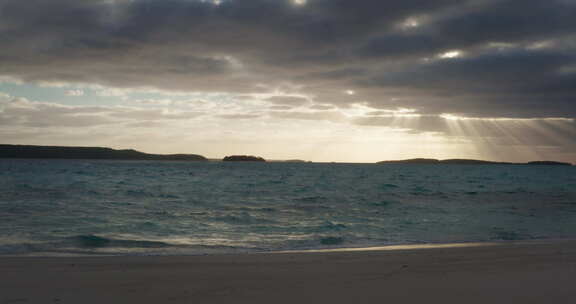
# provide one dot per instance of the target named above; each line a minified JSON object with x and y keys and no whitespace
{"x":528,"y":272}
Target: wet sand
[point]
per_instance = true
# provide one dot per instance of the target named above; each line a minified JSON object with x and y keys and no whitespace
{"x":527,"y":272}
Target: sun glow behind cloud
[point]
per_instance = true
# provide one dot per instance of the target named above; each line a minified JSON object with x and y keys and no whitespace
{"x":149,"y":122}
{"x":512,"y":139}
{"x":451,"y":54}
{"x":410,"y":23}
{"x":358,"y":133}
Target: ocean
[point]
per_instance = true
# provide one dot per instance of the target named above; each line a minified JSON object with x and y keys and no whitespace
{"x":89,"y":207}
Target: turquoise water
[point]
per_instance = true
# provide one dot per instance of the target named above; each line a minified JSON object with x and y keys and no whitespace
{"x":172,"y":208}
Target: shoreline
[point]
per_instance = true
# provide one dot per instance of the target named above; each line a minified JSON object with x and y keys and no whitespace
{"x":506,"y":272}
{"x":335,"y":249}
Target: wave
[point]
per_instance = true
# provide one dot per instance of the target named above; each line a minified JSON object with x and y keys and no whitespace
{"x":167,"y":208}
{"x":98,"y":245}
{"x":82,"y":244}
{"x":94,"y":241}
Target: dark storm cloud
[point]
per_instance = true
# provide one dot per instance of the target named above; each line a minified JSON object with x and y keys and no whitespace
{"x":322,"y":49}
{"x":515,"y":83}
{"x":494,"y":21}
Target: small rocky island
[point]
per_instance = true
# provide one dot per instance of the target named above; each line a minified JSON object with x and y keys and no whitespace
{"x":59,"y":152}
{"x":243,"y":158}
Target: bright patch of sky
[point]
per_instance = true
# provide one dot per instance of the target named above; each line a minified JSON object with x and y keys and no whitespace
{"x":66,"y":95}
{"x":91,"y":95}
{"x":409,"y":23}
{"x":450,"y":54}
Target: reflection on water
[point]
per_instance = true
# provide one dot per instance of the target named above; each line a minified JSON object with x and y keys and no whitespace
{"x":399,"y":247}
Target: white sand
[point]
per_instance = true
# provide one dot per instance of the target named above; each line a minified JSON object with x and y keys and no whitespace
{"x":533,"y":272}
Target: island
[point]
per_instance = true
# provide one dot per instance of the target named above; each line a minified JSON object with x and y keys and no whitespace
{"x":548,"y":163}
{"x":61,"y":152}
{"x":243,"y":158}
{"x":457,"y":161}
{"x":411,"y":161}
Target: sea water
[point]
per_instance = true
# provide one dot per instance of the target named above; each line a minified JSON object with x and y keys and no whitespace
{"x":55,"y":207}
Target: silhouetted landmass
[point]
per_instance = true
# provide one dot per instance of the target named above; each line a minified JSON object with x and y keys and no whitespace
{"x":472,"y":162}
{"x":57,"y":152}
{"x":294,"y":161}
{"x":411,"y":161}
{"x":432,"y":161}
{"x":244,"y":158}
{"x":549,"y":163}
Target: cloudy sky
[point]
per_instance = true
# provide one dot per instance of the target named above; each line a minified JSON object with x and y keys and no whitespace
{"x":322,"y":80}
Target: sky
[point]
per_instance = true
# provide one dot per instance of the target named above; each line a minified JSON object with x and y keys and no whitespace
{"x":319,"y":80}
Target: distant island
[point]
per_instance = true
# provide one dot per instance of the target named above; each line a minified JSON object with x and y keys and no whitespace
{"x":63,"y":152}
{"x":243,"y":158}
{"x":59,"y":152}
{"x":431,"y":161}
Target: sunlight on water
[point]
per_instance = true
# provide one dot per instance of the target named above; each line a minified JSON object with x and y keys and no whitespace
{"x":400,"y":247}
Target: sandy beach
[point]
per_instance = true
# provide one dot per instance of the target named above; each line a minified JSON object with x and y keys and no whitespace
{"x":524,"y":272}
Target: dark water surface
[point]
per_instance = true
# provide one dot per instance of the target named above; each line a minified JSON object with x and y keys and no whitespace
{"x":172,"y":208}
